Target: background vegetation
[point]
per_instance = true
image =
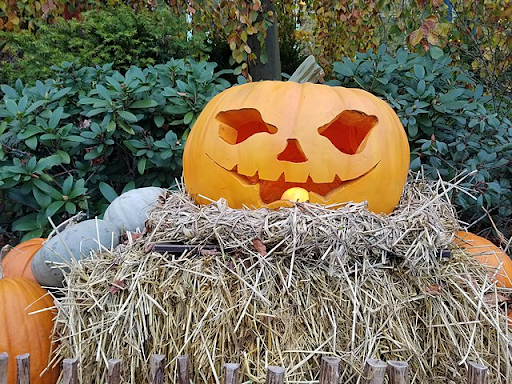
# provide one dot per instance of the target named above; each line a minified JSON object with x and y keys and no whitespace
{"x":109,"y":89}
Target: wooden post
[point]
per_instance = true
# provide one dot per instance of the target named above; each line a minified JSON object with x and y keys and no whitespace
{"x":70,"y":371}
{"x":374,"y":371}
{"x":183,"y":375}
{"x":398,"y":372}
{"x":275,"y":375}
{"x":23,"y":369}
{"x":477,"y":373}
{"x":156,"y":369}
{"x":4,"y":361}
{"x":114,"y":371}
{"x":329,"y":370}
{"x":231,"y":371}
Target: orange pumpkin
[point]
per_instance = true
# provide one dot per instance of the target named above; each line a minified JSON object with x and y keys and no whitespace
{"x":16,"y":263}
{"x":23,"y":333}
{"x":253,"y":142}
{"x":497,"y":262}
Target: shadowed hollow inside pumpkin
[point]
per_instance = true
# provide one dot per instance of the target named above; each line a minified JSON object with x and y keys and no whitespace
{"x":486,"y":253}
{"x":254,"y":142}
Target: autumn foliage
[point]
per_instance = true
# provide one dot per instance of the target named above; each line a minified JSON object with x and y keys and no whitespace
{"x":329,"y":29}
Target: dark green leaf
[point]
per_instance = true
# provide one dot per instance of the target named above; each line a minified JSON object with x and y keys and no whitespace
{"x":26,"y":223}
{"x":128,"y":116}
{"x":159,"y":121}
{"x":147,"y":103}
{"x":70,"y":208}
{"x":50,"y":161}
{"x":67,"y":185}
{"x":104,"y":92}
{"x":419,"y":71}
{"x":94,"y":112}
{"x":188,"y":117}
{"x":11,"y":106}
{"x":42,"y":198}
{"x":55,"y":118}
{"x":107,"y":191}
{"x":436,"y":52}
{"x":9,"y":91}
{"x":141,"y":165}
{"x":53,"y":208}
{"x":32,"y":142}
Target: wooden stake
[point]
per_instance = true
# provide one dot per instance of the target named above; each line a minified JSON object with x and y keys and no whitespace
{"x":70,"y":371}
{"x":4,"y":365}
{"x":477,"y":373}
{"x":183,"y":375}
{"x":374,"y":371}
{"x":231,"y":371}
{"x":330,"y":370}
{"x":275,"y":375}
{"x":23,"y":369}
{"x":156,"y":374}
{"x":398,"y":372}
{"x":114,"y":371}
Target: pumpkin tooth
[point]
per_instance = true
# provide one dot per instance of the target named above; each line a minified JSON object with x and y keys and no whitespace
{"x":254,"y":179}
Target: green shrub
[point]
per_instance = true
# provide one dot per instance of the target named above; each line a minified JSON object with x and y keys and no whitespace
{"x":451,"y":126}
{"x":74,"y":142}
{"x":113,"y":35}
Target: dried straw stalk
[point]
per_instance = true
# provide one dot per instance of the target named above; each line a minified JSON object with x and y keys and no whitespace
{"x":285,"y":288}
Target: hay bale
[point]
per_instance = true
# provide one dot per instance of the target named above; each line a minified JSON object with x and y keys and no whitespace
{"x":285,"y":288}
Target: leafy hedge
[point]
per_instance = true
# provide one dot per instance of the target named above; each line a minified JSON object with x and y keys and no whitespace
{"x":70,"y":143}
{"x":450,"y":122}
{"x":111,"y":35}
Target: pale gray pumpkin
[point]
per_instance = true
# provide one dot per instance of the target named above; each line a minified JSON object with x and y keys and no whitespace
{"x":129,"y":211}
{"x":74,"y":242}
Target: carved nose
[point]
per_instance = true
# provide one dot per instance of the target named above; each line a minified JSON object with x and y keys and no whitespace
{"x":293,"y":152}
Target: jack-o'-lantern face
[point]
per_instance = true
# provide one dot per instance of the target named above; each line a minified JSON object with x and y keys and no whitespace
{"x":254,"y":142}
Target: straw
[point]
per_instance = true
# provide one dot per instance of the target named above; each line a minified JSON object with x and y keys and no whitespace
{"x":285,"y":288}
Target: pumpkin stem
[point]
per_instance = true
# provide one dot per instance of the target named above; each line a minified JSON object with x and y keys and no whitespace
{"x":308,"y":72}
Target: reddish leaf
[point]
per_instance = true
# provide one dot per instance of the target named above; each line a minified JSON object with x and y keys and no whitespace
{"x":117,"y":285}
{"x":244,"y":19}
{"x":434,"y":290}
{"x":433,"y":38}
{"x":210,"y":252}
{"x":260,"y":247}
{"x":415,"y":37}
{"x":429,"y":24}
{"x":494,"y":299}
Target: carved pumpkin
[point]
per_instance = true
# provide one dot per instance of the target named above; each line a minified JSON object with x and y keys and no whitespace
{"x":486,"y":253}
{"x":253,"y":142}
{"x":16,"y":263}
{"x":22,"y":332}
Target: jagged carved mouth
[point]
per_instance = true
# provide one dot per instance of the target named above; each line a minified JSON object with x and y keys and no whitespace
{"x":271,"y":191}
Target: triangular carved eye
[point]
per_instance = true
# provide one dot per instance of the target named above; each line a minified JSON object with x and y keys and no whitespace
{"x":348,"y":130}
{"x":238,"y":125}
